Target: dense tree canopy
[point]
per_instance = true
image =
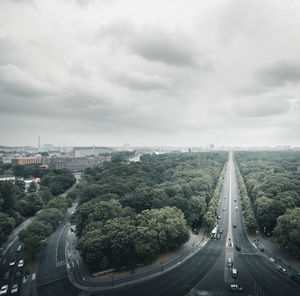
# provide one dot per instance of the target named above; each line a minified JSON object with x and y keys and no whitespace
{"x":16,"y":204}
{"x":273,"y":183}
{"x":129,"y":213}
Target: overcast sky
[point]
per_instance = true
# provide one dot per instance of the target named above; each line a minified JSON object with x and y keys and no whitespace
{"x":172,"y":72}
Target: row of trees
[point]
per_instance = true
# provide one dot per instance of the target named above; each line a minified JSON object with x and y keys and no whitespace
{"x":172,"y":191}
{"x":16,"y":203}
{"x":210,"y":215}
{"x":273,"y":183}
{"x":44,"y":224}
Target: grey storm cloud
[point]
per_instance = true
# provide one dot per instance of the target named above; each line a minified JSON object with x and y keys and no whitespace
{"x":19,"y":83}
{"x":156,"y":44}
{"x":280,"y":73}
{"x":149,"y":72}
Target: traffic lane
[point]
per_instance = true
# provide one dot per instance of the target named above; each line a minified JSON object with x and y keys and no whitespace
{"x":10,"y":271}
{"x":58,"y":288}
{"x":174,"y":282}
{"x":62,"y":244}
{"x":267,"y":278}
{"x":48,"y":258}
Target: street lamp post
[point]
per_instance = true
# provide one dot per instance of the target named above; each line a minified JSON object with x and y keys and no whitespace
{"x":257,"y":238}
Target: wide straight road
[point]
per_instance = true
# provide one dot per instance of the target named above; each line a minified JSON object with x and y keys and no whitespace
{"x":206,"y":273}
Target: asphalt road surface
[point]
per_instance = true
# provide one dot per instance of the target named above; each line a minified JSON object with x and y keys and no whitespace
{"x":206,"y":273}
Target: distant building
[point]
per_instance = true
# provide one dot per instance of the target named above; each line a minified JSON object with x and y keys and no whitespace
{"x":76,"y":164}
{"x":27,"y":160}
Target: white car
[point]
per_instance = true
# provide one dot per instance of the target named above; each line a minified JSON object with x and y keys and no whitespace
{"x":21,"y":263}
{"x":14,"y":289}
{"x":12,"y":262}
{"x":3,"y":290}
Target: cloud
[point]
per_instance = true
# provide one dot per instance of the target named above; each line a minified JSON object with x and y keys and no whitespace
{"x":143,"y":82}
{"x":156,"y":44}
{"x":18,"y":83}
{"x":263,"y":106}
{"x":279,"y":73}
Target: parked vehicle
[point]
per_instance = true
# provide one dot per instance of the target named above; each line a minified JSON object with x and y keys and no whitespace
{"x":238,"y":247}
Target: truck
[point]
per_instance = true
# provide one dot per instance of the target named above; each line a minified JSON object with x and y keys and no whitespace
{"x":214,"y":232}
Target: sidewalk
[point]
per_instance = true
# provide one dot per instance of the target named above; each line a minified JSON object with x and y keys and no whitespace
{"x":80,"y":277}
{"x":279,"y":255}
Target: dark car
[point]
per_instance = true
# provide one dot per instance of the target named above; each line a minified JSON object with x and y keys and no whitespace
{"x":229,"y":262}
{"x":18,"y":274}
{"x":234,"y":225}
{"x":281,"y":269}
{"x":238,"y":247}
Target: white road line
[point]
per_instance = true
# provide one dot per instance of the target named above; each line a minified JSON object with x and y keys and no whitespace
{"x":58,"y":242}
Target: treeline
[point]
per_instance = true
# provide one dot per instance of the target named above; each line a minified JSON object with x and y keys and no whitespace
{"x":16,"y":204}
{"x":44,"y":224}
{"x":273,"y":183}
{"x":210,"y":216}
{"x":154,"y":200}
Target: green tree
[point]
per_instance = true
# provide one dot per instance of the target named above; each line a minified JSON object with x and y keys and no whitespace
{"x":287,"y":231}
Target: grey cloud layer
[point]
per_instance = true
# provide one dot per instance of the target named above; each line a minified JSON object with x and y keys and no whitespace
{"x":112,"y":71}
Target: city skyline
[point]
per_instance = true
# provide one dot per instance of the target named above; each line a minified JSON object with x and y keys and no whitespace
{"x":106,"y":73}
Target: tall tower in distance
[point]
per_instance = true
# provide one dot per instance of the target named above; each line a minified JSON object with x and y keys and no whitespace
{"x":39,"y":143}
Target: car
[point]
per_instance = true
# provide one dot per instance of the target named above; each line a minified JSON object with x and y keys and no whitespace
{"x":218,"y":217}
{"x":238,"y":247}
{"x":229,"y":262}
{"x":235,"y":200}
{"x":236,"y":208}
{"x":235,"y":287}
{"x":19,"y":248}
{"x":14,"y":289}
{"x":218,"y":236}
{"x":234,"y":272}
{"x":221,"y":230}
{"x":21,"y":263}
{"x":234,"y":225}
{"x":3,"y":290}
{"x":224,"y":209}
{"x":18,"y":274}
{"x":12,"y":262}
{"x":281,"y":269}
